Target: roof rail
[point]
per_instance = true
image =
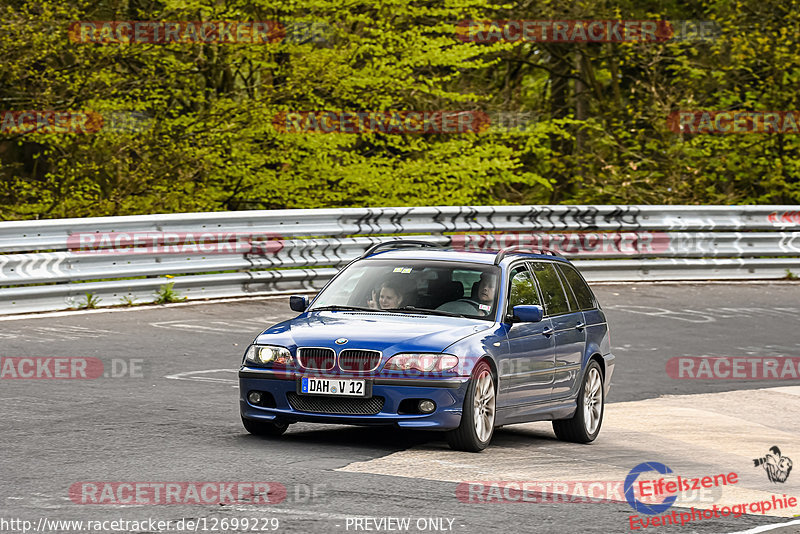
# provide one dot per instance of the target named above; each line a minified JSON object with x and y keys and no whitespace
{"x":518,"y":248}
{"x":397,"y":243}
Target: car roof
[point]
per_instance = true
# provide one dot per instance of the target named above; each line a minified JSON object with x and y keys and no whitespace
{"x":446,"y":254}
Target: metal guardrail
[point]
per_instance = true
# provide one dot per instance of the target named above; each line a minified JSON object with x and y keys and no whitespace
{"x":53,"y":264}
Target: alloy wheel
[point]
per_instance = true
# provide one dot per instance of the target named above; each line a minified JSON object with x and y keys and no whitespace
{"x":484,"y":405}
{"x":592,"y":400}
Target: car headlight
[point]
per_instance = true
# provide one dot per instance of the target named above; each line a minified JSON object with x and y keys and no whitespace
{"x":422,"y":361}
{"x":262,"y":354}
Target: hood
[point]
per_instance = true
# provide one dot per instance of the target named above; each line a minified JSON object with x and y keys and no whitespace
{"x":389,"y":333}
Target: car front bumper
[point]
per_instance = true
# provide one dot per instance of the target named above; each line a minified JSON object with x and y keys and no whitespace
{"x":448,"y":394}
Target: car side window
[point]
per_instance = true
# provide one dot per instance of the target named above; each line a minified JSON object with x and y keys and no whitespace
{"x":573,"y":304}
{"x":582,"y":292}
{"x":522,"y":288}
{"x":555,"y":301}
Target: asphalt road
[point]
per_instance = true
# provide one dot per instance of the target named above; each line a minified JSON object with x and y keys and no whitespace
{"x":176,"y":420}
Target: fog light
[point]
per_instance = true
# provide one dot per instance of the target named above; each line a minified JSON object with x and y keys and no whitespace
{"x":426,"y":406}
{"x":254,"y":397}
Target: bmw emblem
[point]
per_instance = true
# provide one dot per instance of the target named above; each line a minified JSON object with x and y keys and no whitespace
{"x":341,"y":341}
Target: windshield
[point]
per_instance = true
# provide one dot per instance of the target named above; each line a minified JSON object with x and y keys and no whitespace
{"x":419,"y":286}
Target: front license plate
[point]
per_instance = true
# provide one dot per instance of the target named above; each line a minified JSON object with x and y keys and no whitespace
{"x":333,"y":386}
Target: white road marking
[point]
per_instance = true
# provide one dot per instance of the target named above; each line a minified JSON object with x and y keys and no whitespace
{"x":192,"y":376}
{"x":72,"y":313}
{"x":44,"y":334}
{"x":693,"y":282}
{"x":205,"y":325}
{"x":765,"y":528}
{"x":706,"y":315}
{"x":691,"y":316}
{"x":789,"y":390}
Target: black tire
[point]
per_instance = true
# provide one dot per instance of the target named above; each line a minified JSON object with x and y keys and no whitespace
{"x":576,"y":429}
{"x":264,"y":428}
{"x":466,"y":437}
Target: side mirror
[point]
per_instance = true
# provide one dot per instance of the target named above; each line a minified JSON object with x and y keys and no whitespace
{"x":528,"y":314}
{"x":298,"y":303}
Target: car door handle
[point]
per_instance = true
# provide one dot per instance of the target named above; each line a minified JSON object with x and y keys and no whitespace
{"x":580,"y":326}
{"x":548,"y":332}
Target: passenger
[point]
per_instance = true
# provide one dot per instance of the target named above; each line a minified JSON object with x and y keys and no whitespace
{"x":391,"y":295}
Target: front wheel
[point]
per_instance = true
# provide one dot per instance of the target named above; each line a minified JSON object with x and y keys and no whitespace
{"x":477,"y":418}
{"x":584,"y":426}
{"x":264,"y":428}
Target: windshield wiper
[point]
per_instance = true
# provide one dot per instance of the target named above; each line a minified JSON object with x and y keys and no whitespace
{"x":414,"y":309}
{"x":336,"y":307}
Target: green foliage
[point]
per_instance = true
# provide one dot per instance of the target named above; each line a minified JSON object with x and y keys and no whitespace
{"x":128,"y":300}
{"x":790,"y":275}
{"x":205,"y":140}
{"x":90,"y":302}
{"x":167,"y":294}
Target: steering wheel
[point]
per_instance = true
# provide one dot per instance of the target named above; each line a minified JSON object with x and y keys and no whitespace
{"x":476,"y":305}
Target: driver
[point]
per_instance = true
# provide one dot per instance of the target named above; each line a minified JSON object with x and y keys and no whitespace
{"x":486,"y":289}
{"x":480,"y":302}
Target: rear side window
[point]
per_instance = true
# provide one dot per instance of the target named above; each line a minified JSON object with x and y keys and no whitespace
{"x":555,"y":301}
{"x":522,"y":288}
{"x":573,"y":304}
{"x":579,"y":287}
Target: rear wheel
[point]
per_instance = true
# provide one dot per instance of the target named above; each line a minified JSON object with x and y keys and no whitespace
{"x":477,"y":417}
{"x":584,"y":426}
{"x":264,"y":428}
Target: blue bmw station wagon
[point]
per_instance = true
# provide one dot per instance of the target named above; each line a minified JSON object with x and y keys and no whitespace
{"x":422,"y":337}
